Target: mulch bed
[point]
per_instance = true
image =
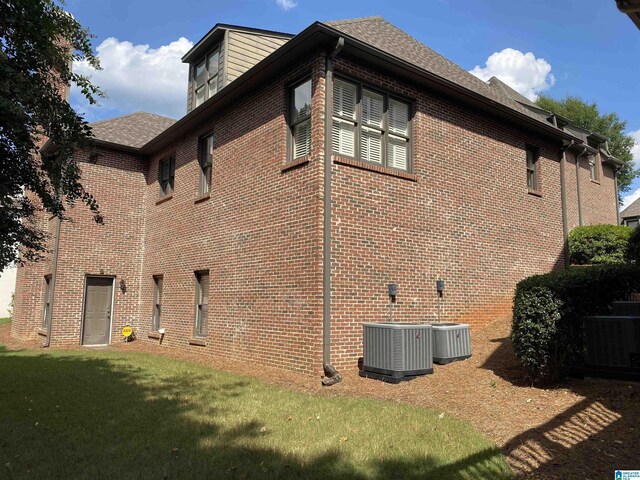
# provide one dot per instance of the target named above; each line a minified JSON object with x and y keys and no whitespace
{"x":583,"y":429}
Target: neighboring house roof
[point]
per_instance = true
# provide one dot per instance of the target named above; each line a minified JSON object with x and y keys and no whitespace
{"x":132,"y":130}
{"x":632,"y":210}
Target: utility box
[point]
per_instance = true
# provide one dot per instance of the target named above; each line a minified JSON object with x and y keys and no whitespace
{"x":612,"y":346}
{"x":451,"y":342}
{"x":396,"y":351}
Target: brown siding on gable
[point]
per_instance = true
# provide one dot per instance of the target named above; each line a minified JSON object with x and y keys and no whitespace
{"x":247,"y":49}
{"x":190,"y":89}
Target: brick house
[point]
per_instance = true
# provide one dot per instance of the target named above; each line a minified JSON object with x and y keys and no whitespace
{"x":309,"y":173}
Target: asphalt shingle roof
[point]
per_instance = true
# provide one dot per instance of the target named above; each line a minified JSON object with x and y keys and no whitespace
{"x":379,"y":33}
{"x":132,"y":130}
{"x":632,"y":210}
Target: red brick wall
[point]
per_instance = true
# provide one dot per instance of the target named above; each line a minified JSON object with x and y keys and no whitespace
{"x":259,"y":235}
{"x":117,"y":181}
{"x":465,"y":216}
{"x":28,"y":305}
{"x":598,"y":199}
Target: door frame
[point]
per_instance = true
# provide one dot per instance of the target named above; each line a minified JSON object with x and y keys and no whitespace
{"x":87,"y":276}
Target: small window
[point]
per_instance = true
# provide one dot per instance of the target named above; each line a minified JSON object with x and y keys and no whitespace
{"x":378,"y":132}
{"x":593,"y":168}
{"x":157,"y":302}
{"x":202,"y":303}
{"x":300,"y":119}
{"x":166,"y":174}
{"x":206,"y":77}
{"x":46,"y":315}
{"x":206,"y":163}
{"x":532,"y":169}
{"x":632,"y":223}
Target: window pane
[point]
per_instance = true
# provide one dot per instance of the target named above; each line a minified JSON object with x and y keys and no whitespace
{"x":200,"y":69}
{"x":398,"y":117}
{"x":344,"y":99}
{"x":343,"y":137}
{"x":200,"y":96}
{"x":213,"y":86}
{"x":204,"y":288}
{"x":206,"y":151}
{"x":372,"y":108}
{"x":371,"y":145}
{"x":301,"y":102}
{"x":530,"y":158}
{"x":213,"y":63}
{"x":398,"y":151}
{"x":302,"y":139}
{"x":632,"y":223}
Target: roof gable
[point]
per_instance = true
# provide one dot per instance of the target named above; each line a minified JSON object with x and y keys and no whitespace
{"x":132,"y":130}
{"x":379,"y":33}
{"x":632,"y":210}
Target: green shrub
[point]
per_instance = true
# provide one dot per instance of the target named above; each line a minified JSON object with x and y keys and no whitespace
{"x":633,"y":247}
{"x":598,"y":244}
{"x":547,"y":331}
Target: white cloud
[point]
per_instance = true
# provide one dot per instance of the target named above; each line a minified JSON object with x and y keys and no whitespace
{"x":523,"y":72}
{"x":137,"y":77}
{"x":636,"y":148}
{"x":287,"y":4}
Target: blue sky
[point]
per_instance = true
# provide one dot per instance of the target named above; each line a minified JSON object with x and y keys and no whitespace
{"x":578,"y":47}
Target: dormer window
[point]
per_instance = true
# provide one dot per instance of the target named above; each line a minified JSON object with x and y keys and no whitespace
{"x":206,"y":75}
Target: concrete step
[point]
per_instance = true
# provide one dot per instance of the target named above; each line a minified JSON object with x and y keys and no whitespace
{"x":625,"y":308}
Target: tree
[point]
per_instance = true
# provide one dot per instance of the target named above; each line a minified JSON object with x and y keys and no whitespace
{"x":38,"y":43}
{"x":588,"y":116}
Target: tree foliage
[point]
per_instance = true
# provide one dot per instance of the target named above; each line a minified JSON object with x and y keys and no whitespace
{"x":588,"y":116}
{"x":38,"y":43}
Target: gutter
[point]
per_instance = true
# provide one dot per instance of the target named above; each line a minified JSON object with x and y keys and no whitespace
{"x":333,"y":376}
{"x":580,"y":222}
{"x":563,"y":199}
{"x":54,"y":274}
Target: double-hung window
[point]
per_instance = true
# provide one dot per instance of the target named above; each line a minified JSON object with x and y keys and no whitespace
{"x":206,"y":77}
{"x":166,"y":175}
{"x":370,"y":126}
{"x":157,"y":302}
{"x":46,"y":314}
{"x":206,"y":163}
{"x":532,"y":169}
{"x":300,"y":119}
{"x":202,"y":303}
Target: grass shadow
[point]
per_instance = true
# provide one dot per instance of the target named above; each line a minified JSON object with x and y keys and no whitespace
{"x":104,"y":414}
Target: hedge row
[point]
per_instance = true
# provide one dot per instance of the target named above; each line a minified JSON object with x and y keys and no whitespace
{"x":547,"y":331}
{"x":599,"y":244}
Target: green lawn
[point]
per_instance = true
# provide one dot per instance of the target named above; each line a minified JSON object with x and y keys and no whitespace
{"x":5,"y":320}
{"x":100,"y":414}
